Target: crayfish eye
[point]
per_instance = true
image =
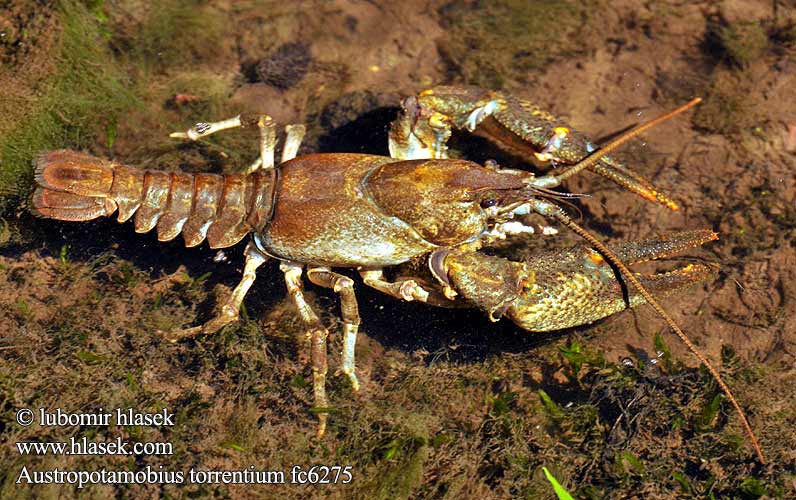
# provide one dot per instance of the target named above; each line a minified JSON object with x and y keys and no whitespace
{"x":489,"y":202}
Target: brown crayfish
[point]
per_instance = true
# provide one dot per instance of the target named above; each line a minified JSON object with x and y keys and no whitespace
{"x":318,"y":212}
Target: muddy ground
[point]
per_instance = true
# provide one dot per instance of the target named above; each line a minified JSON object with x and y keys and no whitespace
{"x":452,"y":406}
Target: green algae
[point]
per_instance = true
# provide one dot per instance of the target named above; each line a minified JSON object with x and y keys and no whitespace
{"x":730,"y":107}
{"x":80,"y":104}
{"x":489,"y":43}
{"x":418,"y":429}
{"x":743,"y":41}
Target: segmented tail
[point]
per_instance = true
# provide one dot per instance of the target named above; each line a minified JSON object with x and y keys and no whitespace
{"x":76,"y":186}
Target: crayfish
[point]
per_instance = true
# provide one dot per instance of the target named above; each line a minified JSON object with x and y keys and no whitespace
{"x":319,"y":212}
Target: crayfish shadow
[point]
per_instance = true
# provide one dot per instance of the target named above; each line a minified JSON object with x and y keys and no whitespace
{"x":94,"y":241}
{"x":367,"y":133}
{"x":453,"y":335}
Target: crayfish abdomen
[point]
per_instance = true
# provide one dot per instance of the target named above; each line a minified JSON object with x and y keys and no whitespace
{"x":222,"y":208}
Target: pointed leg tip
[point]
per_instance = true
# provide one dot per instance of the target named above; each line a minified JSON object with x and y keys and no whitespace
{"x":352,"y":377}
{"x":174,"y":336}
{"x":321,"y":430}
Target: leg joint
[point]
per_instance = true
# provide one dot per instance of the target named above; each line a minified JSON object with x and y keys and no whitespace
{"x":343,"y":283}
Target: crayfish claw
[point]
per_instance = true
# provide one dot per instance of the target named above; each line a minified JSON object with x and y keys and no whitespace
{"x":410,"y":291}
{"x":425,"y":124}
{"x":572,"y":287}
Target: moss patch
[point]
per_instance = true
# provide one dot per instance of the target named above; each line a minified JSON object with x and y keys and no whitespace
{"x":416,"y":430}
{"x":731,"y":105}
{"x":490,"y":42}
{"x":743,"y":41}
{"x":79,"y":102}
{"x":80,"y":327}
{"x":160,"y":36}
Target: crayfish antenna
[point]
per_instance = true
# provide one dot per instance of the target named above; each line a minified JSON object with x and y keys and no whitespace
{"x":614,"y":259}
{"x":597,"y":155}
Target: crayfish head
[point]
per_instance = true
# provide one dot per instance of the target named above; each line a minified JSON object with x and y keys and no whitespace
{"x":449,"y":202}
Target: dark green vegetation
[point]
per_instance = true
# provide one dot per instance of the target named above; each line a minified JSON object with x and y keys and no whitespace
{"x":452,"y":406}
{"x":737,"y":52}
{"x":95,"y":76}
{"x":433,"y":429}
{"x":488,"y":43}
{"x":67,"y":92}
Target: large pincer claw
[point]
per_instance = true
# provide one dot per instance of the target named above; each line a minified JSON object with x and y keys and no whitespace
{"x":425,"y":124}
{"x":568,"y":288}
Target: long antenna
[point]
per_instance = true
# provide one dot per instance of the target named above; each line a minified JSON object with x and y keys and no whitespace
{"x":597,"y":155}
{"x":610,"y":256}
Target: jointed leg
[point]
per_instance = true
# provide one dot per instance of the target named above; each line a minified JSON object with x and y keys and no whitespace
{"x":317,"y":333}
{"x":267,"y":135}
{"x":344,"y":286}
{"x":231,"y":308}
{"x":267,"y":144}
{"x":203,"y":129}
{"x":407,"y":290}
{"x":294,"y":134}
